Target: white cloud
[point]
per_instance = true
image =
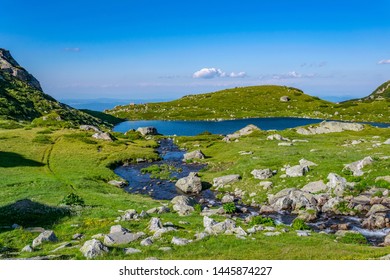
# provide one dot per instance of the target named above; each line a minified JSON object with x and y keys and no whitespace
{"x":211,"y":73}
{"x":292,"y":75}
{"x":384,"y":61}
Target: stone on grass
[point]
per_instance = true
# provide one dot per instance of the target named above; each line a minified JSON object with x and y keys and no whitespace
{"x":227,"y":198}
{"x":27,"y":249}
{"x":46,"y":236}
{"x":315,"y":187}
{"x":147,"y":241}
{"x":337,"y":184}
{"x":118,"y":228}
{"x":262,"y":173}
{"x":93,"y":248}
{"x":120,"y":184}
{"x":180,"y":241}
{"x":129,"y":251}
{"x":297,"y":170}
{"x":357,"y":166}
{"x":190,"y":184}
{"x":102,"y":136}
{"x":226,"y":180}
{"x":305,"y":162}
{"x":242,"y":132}
{"x":266,"y":185}
{"x":155,"y":224}
{"x":271,"y":233}
{"x":148,"y":130}
{"x":197,"y":154}
{"x":119,"y":238}
{"x":165,"y":249}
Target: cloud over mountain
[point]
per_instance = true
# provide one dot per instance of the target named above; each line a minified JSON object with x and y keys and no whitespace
{"x":211,"y":73}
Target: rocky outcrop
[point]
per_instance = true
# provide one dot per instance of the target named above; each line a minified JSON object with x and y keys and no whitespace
{"x":226,"y":180}
{"x":226,"y":227}
{"x":193,"y":155}
{"x":149,"y":130}
{"x":9,"y":65}
{"x":93,"y":248}
{"x":190,"y":184}
{"x":330,"y":127}
{"x":357,"y":166}
{"x":242,"y":132}
{"x":292,"y":200}
{"x":262,"y":173}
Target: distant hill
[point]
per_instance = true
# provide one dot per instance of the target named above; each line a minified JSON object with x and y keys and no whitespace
{"x":22,"y":99}
{"x":261,"y":101}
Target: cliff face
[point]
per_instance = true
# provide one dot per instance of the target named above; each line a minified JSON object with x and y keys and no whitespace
{"x":9,"y":65}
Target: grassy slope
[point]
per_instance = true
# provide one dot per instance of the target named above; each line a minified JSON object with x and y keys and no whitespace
{"x":45,"y":173}
{"x":257,"y":101}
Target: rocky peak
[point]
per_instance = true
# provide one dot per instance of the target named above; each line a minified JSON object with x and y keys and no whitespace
{"x":9,"y":65}
{"x":382,"y":92}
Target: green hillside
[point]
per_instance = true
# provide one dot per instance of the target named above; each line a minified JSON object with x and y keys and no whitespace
{"x":261,"y":101}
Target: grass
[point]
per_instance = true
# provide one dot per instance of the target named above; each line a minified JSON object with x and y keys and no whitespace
{"x":258,"y":101}
{"x":43,"y":174}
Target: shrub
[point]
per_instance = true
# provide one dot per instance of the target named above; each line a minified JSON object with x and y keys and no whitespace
{"x":382,"y":184}
{"x":229,"y":207}
{"x":299,"y":224}
{"x":72,"y":199}
{"x":259,"y":220}
{"x":198,"y":208}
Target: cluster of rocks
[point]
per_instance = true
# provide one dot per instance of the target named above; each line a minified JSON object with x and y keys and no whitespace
{"x":148,"y":130}
{"x":99,"y":135}
{"x":330,"y":127}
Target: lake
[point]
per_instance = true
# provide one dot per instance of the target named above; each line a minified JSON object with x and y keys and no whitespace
{"x":191,"y":128}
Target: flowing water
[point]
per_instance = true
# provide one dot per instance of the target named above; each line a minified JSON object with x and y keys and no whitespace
{"x":165,"y":190}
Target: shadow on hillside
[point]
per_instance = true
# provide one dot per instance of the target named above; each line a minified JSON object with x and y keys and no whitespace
{"x":9,"y":159}
{"x":28,"y":213}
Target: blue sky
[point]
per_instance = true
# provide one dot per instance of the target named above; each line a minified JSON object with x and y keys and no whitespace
{"x":166,"y":49}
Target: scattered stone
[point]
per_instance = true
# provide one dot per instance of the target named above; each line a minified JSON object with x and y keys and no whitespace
{"x":161,"y":231}
{"x":163,"y":209}
{"x":242,"y":132}
{"x":118,"y":228}
{"x":197,"y":154}
{"x":89,"y":127}
{"x":27,"y":249}
{"x":119,"y":184}
{"x":227,"y":198}
{"x":226,"y":180}
{"x":243,"y":153}
{"x":149,"y":130}
{"x":265,"y":209}
{"x":266,"y":185}
{"x":143,"y":214}
{"x":303,"y":232}
{"x":155,"y":224}
{"x":208,"y":222}
{"x":284,"y":99}
{"x":331,"y":205}
{"x":337,"y":184}
{"x":129,"y":215}
{"x":183,"y":205}
{"x":180,"y":241}
{"x":190,"y":184}
{"x":286,"y":144}
{"x":304,"y":162}
{"x":93,"y":248}
{"x":262,"y":173}
{"x":272,"y":233}
{"x":330,"y":127}
{"x":65,"y":245}
{"x":277,"y":137}
{"x":387,"y":142}
{"x":46,"y":236}
{"x":129,"y":251}
{"x":201,"y":235}
{"x":376,"y":221}
{"x":102,"y":136}
{"x":301,"y":141}
{"x":297,"y":171}
{"x":146,"y":242}
{"x":362,"y":199}
{"x":315,"y":187}
{"x":119,"y":238}
{"x":357,"y":166}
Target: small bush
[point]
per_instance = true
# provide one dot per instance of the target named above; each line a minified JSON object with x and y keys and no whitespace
{"x":229,"y":207}
{"x":198,"y":208}
{"x":265,"y":221}
{"x":299,"y":224}
{"x":353,"y":238}
{"x":382,"y":184}
{"x":72,"y":199}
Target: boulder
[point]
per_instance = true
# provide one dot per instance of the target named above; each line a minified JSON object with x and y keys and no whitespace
{"x":357,"y":166}
{"x":284,"y":99}
{"x":376,"y":221}
{"x":242,"y":132}
{"x":102,"y":136}
{"x":277,"y":137}
{"x":27,"y":249}
{"x":226,"y":180}
{"x":147,"y":242}
{"x":118,"y":183}
{"x":190,"y":184}
{"x":182,"y":199}
{"x":129,"y":215}
{"x":387,"y":142}
{"x":315,"y":187}
{"x":119,"y":238}
{"x":227,"y":198}
{"x":89,"y":127}
{"x":201,"y":235}
{"x":208,"y":222}
{"x":266,"y":185}
{"x":118,"y":228}
{"x":46,"y":236}
{"x":93,"y":248}
{"x":331,"y":205}
{"x":337,"y":184}
{"x":197,"y":154}
{"x":297,"y":171}
{"x":305,"y":162}
{"x":149,"y":130}
{"x":180,"y":241}
{"x":155,"y":224}
{"x":330,"y":127}
{"x":262,"y":173}
{"x":377,"y":208}
{"x":157,"y":234}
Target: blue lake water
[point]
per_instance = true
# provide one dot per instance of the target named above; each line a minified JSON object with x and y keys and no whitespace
{"x":190,"y":128}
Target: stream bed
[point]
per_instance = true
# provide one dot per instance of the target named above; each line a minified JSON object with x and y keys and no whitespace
{"x":160,"y":189}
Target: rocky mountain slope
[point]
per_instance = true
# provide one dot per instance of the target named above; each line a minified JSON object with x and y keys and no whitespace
{"x":22,"y":99}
